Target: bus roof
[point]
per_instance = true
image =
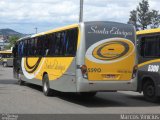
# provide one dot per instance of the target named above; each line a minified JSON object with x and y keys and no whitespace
{"x":64,"y":28}
{"x":49,"y":31}
{"x":26,"y":37}
{"x":149,"y":31}
{"x":55,"y":30}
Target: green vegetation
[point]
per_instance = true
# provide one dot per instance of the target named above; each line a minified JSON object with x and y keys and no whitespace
{"x":12,"y":41}
{"x":143,"y":17}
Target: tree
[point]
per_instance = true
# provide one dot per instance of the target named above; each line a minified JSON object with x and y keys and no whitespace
{"x":142,"y":17}
{"x":133,"y":19}
{"x":12,"y":41}
{"x":155,"y":19}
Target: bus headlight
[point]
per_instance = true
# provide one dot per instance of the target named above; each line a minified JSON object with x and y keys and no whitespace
{"x":135,"y":69}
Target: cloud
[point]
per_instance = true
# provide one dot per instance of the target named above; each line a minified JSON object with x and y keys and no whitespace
{"x":24,"y":15}
{"x":37,"y":11}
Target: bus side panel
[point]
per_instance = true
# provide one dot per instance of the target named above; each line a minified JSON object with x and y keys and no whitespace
{"x":149,"y":71}
{"x":67,"y":82}
{"x":30,"y":75}
{"x":61,"y":72}
{"x":149,"y":66}
{"x":60,"y":68}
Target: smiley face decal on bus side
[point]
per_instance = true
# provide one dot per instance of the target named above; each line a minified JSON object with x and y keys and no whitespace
{"x":110,"y":50}
{"x":31,"y":71}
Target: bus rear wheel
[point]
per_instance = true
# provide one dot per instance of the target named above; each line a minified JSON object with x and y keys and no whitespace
{"x":46,"y":86}
{"x":149,"y":91}
{"x":20,"y":81}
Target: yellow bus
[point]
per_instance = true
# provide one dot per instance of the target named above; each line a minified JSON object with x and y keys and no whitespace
{"x":85,"y":58}
{"x":6,"y":58}
{"x":149,"y":63}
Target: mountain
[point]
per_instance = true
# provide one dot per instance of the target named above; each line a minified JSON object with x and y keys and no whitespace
{"x":10,"y":32}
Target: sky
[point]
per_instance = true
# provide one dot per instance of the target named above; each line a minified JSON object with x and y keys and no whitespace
{"x":25,"y":15}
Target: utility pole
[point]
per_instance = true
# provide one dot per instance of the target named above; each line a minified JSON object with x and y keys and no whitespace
{"x":81,"y":11}
{"x":36,"y":29}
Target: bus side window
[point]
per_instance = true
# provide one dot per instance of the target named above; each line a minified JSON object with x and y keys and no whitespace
{"x":142,"y":46}
{"x":25,"y":48}
{"x":71,"y":42}
{"x":57,"y":44}
{"x":46,"y":45}
{"x":16,"y":51}
{"x":32,"y":48}
{"x":35,"y":47}
{"x":40,"y":46}
{"x":158,"y":38}
{"x":62,"y":43}
{"x":150,"y":46}
{"x":29,"y":45}
{"x":51,"y":44}
{"x":20,"y":49}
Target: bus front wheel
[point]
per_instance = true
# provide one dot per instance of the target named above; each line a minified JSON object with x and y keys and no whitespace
{"x":46,"y":86}
{"x":20,"y":82}
{"x":149,"y":91}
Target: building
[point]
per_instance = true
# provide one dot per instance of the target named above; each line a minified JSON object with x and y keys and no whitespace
{"x":3,"y":41}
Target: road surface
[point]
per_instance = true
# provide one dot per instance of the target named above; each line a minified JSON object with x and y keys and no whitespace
{"x":29,"y":99}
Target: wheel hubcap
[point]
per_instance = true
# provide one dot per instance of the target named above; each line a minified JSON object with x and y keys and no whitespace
{"x":45,"y":87}
{"x":150,"y":91}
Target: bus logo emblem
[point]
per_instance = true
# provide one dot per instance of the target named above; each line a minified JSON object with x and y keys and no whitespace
{"x":98,"y":52}
{"x":110,"y":50}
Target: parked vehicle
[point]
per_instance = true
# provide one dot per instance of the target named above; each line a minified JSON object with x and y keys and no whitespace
{"x":86,"y":58}
{"x":6,"y":58}
{"x":148,"y":43}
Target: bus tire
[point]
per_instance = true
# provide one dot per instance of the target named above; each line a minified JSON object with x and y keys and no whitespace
{"x":88,"y":94}
{"x":20,"y":81}
{"x":149,"y":91}
{"x":46,"y":86}
{"x":5,"y":64}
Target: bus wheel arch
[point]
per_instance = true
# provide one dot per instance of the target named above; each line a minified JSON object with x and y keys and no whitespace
{"x":149,"y":89}
{"x":46,"y":84}
{"x":44,"y":75}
